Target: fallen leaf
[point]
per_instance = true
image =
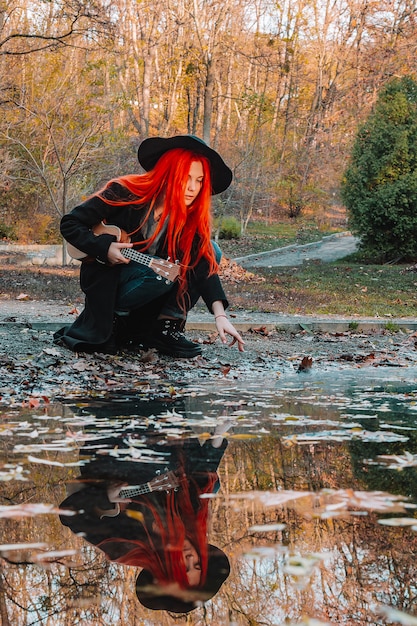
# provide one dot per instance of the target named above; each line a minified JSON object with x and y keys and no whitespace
{"x":51,"y":351}
{"x":33,"y":403}
{"x":150,"y":356}
{"x":305,"y":365}
{"x":261,"y":330}
{"x":137,"y":515}
{"x":226,"y":369}
{"x":211,"y":338}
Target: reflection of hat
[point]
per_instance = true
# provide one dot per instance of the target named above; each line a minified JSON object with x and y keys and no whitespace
{"x":151,"y":149}
{"x":150,"y":594}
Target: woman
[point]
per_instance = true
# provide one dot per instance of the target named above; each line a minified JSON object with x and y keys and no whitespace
{"x":154,"y":514}
{"x":162,"y":213}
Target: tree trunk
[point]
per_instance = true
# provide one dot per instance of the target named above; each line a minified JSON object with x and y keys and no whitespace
{"x":208,"y":100}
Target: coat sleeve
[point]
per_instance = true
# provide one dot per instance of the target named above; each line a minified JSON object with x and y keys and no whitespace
{"x":209,"y":287}
{"x":76,"y":226}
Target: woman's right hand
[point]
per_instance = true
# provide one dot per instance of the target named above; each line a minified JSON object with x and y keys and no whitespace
{"x":114,"y":254}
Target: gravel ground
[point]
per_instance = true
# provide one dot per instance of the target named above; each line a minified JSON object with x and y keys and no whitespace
{"x":33,"y":370}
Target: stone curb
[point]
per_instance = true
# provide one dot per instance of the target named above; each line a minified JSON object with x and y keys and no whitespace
{"x":287,"y":325}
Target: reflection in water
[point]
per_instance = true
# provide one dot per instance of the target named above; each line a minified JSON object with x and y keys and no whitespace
{"x":315,"y":516}
{"x":153,"y":513}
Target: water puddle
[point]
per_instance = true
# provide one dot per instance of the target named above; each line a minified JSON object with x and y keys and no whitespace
{"x":286,"y":501}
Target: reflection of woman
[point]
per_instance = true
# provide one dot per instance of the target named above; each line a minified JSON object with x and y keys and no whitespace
{"x":163,"y":531}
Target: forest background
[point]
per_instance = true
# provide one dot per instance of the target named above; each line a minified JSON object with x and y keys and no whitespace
{"x":278,"y":88}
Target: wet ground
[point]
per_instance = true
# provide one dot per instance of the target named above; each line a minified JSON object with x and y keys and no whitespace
{"x":308,"y":491}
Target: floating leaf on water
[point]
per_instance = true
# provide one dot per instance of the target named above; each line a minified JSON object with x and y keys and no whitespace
{"x":298,"y":565}
{"x":266,"y":528}
{"x":395,"y":461}
{"x":54,"y":554}
{"x":11,"y":547}
{"x":394,"y":615}
{"x":261,"y":552}
{"x":398,"y":521}
{"x":34,"y":459}
{"x":348,"y":435}
{"x":137,"y":515}
{"x":310,"y":621}
{"x":29,"y":510}
{"x":365,"y":500}
{"x":271,"y":498}
{"x":288,"y":442}
{"x":204,"y":436}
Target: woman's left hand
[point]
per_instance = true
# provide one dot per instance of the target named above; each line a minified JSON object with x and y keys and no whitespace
{"x":225,"y":327}
{"x":113,"y":492}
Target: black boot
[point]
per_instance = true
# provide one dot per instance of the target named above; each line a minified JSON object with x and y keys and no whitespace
{"x":167,"y":337}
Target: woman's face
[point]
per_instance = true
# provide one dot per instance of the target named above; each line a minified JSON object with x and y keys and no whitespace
{"x":194,"y":182}
{"x":192,"y":563}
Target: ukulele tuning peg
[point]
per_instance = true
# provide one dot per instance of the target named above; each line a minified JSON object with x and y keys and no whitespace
{"x":159,"y":277}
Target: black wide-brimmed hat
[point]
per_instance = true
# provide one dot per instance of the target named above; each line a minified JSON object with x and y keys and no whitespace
{"x":151,"y":595}
{"x":151,"y":150}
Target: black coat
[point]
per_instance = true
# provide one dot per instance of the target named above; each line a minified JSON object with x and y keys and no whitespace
{"x":90,"y":502}
{"x":99,"y":280}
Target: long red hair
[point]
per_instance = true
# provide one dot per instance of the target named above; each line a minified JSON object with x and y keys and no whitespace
{"x":166,"y":528}
{"x":188,"y":232}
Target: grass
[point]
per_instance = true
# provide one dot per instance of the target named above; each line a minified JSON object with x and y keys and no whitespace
{"x":334,"y":289}
{"x":348,"y":287}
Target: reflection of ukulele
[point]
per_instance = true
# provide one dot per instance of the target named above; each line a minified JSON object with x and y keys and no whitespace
{"x":162,"y":482}
{"x":164,"y":268}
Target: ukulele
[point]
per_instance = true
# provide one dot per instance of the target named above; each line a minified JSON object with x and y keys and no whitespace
{"x":163,"y":267}
{"x":163,"y":482}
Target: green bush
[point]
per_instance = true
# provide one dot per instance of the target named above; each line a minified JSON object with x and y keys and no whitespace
{"x":7,"y":232}
{"x":228,"y":228}
{"x":379,"y":187}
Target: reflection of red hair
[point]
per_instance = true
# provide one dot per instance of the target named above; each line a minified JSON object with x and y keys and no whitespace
{"x":168,"y":522}
{"x":167,"y":181}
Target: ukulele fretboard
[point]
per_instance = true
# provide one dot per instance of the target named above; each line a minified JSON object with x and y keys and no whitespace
{"x":135,"y":490}
{"x":139,"y":257}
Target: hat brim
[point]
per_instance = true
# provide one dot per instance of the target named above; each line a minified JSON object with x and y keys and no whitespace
{"x":149,"y":594}
{"x":151,"y":150}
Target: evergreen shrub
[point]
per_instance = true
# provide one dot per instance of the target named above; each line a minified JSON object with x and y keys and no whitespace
{"x":379,"y":186}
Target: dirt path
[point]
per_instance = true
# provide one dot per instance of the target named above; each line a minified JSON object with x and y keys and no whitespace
{"x":328,"y":249}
